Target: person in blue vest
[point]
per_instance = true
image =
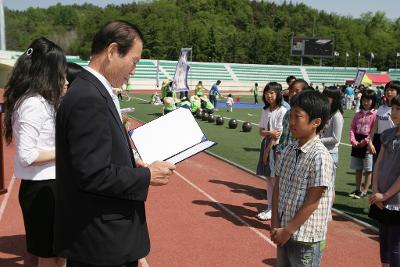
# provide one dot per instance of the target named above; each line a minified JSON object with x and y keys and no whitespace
{"x":349,"y":96}
{"x":214,"y":91}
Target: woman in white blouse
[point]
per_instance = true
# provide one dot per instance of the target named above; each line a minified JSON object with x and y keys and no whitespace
{"x":32,"y":95}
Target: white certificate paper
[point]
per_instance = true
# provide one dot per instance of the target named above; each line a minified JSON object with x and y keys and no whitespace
{"x":173,"y":137}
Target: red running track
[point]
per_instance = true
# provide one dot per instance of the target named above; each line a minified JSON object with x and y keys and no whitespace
{"x":205,"y":217}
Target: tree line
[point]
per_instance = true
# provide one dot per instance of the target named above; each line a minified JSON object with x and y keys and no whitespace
{"x":242,"y":31}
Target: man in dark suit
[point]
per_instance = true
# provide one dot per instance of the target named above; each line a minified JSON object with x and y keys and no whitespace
{"x":100,"y":215}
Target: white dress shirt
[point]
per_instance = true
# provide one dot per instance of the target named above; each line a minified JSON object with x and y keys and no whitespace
{"x":33,"y":130}
{"x":108,"y":86}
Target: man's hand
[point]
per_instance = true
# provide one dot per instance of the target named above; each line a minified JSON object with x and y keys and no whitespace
{"x":160,"y":172}
{"x":140,"y":163}
{"x":280,"y":236}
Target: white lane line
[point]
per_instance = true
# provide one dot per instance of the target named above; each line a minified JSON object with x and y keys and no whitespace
{"x":7,"y":196}
{"x":226,"y":210}
{"x":144,"y":263}
{"x":140,"y":99}
{"x":255,"y":124}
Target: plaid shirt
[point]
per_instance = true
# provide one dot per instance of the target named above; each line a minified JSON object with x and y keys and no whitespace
{"x":298,"y":169}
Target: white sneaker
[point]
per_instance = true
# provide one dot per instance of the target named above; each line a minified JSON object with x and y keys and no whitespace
{"x":265,"y":215}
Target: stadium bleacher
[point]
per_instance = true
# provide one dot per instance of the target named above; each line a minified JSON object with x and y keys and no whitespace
{"x":264,"y":73}
{"x":394,"y":74}
{"x":329,"y":75}
{"x":242,"y":76}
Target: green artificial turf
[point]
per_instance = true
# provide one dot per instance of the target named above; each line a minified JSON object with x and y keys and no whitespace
{"x":243,"y":148}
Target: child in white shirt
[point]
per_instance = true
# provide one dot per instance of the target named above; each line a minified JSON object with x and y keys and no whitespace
{"x":229,"y":103}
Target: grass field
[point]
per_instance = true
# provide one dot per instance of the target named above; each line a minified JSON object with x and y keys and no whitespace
{"x":243,"y":148}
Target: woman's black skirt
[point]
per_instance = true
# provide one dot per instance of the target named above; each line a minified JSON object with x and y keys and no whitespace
{"x":37,"y":200}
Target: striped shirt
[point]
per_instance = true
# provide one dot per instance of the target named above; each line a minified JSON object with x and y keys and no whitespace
{"x":298,"y":169}
{"x":286,"y":136}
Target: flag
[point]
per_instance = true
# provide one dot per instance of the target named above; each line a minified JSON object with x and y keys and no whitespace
{"x":359,"y":76}
{"x":157,"y":74}
{"x":336,"y":54}
{"x":347,"y":54}
{"x":372,"y":55}
{"x":181,"y":73}
{"x":398,"y":54}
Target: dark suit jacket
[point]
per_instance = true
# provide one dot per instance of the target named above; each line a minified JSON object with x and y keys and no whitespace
{"x":100,"y":214}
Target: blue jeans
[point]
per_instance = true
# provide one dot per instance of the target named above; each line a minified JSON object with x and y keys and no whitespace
{"x":300,"y":254}
{"x":213,"y":100}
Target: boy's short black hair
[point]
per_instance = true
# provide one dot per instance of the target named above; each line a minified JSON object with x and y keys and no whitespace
{"x":302,"y":83}
{"x":395,"y":101}
{"x":315,"y":104}
{"x":289,"y":78}
{"x":368,"y":94}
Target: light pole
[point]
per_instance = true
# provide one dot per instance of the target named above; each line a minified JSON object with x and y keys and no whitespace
{"x":335,"y":54}
{"x":370,"y":62}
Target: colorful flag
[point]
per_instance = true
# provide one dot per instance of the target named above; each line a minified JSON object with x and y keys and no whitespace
{"x":359,"y":76}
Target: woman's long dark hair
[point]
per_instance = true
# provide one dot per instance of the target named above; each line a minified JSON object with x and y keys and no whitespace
{"x":336,"y":95}
{"x":40,"y":70}
{"x":277,"y":88}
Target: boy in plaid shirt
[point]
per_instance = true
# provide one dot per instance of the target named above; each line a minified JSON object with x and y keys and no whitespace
{"x":303,"y":191}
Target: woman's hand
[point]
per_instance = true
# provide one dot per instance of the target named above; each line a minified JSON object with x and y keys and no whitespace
{"x":371,"y":148}
{"x":275,"y":134}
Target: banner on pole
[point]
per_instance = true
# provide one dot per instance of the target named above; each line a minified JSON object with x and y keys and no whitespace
{"x":359,"y":76}
{"x":181,"y":73}
{"x":158,"y":74}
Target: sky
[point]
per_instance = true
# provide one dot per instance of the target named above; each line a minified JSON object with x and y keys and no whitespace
{"x":353,"y":8}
